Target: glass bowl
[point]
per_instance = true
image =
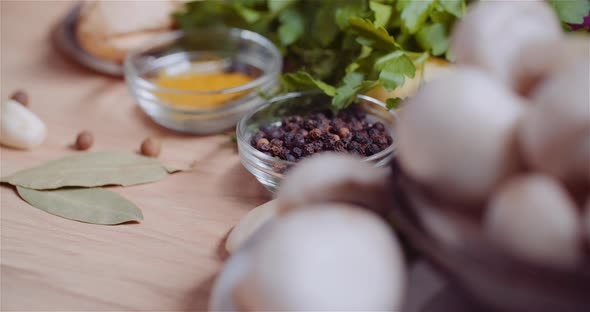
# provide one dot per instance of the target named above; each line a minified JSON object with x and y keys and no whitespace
{"x":271,"y":170}
{"x":201,"y":52}
{"x":456,"y":246}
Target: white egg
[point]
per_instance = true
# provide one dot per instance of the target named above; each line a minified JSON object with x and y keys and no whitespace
{"x":493,"y":33}
{"x":19,"y":127}
{"x":457,"y":135}
{"x":332,"y":177}
{"x":333,"y":257}
{"x":533,"y":217}
{"x":555,"y":133}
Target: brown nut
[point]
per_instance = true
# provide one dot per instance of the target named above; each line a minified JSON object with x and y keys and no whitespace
{"x":84,"y":140}
{"x":21,"y":97}
{"x":150,"y":147}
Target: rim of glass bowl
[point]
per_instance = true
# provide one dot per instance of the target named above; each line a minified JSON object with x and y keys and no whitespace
{"x":133,"y":78}
{"x":241,"y":127}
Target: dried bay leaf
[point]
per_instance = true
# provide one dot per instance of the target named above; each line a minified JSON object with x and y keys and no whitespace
{"x":90,"y":170}
{"x":174,"y":169}
{"x":91,"y":205}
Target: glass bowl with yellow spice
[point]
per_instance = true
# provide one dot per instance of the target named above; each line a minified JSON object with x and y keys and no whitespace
{"x":204,"y":81}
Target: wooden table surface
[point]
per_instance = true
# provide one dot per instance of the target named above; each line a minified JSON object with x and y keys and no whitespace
{"x":165,"y":262}
{"x":168,"y":261}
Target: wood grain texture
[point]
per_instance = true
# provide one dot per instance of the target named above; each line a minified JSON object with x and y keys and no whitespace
{"x":164,"y":263}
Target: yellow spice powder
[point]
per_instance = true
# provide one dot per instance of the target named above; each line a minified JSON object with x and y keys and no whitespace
{"x":201,"y":82}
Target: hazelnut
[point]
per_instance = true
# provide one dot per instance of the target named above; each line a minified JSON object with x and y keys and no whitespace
{"x":150,"y":147}
{"x":84,"y":140}
{"x":21,"y":97}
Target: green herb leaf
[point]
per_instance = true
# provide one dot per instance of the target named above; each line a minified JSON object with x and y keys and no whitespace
{"x":91,"y":205}
{"x":393,"y":103}
{"x":292,"y":26}
{"x":324,"y":27}
{"x":455,"y":7}
{"x":351,"y":9}
{"x":277,"y":5}
{"x":89,"y":170}
{"x":303,"y":81}
{"x":433,"y":38}
{"x":415,"y":13}
{"x":394,"y":67}
{"x":249,"y":15}
{"x":371,"y":35}
{"x":346,"y":94}
{"x":571,"y":11}
{"x":382,"y":13}
{"x":332,"y":38}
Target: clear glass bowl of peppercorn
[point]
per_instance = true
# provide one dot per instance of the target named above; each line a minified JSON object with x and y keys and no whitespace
{"x":291,"y":127}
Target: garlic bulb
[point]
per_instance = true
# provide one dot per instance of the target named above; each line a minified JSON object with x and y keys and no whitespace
{"x":330,"y":257}
{"x":332,"y":177}
{"x":493,"y":33}
{"x":538,"y":61}
{"x":533,"y":217}
{"x":555,"y":133}
{"x":249,"y":224}
{"x":457,"y":135}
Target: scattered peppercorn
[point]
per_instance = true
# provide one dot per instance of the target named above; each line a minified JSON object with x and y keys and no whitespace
{"x":150,"y":147}
{"x":343,"y":132}
{"x":84,"y":140}
{"x":297,"y":137}
{"x":21,"y":97}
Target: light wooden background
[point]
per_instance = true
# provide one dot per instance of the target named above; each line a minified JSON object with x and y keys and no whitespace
{"x":168,"y":261}
{"x":164,"y":263}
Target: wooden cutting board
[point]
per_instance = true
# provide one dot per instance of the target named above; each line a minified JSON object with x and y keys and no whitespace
{"x":164,"y":263}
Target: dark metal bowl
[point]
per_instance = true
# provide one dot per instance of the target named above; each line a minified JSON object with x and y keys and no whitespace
{"x":493,"y":277}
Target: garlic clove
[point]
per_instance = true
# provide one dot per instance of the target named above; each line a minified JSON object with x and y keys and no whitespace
{"x":19,"y":127}
{"x":517,"y":24}
{"x":533,"y":217}
{"x":457,"y":140}
{"x":249,"y":224}
{"x":332,"y":257}
{"x":332,"y":177}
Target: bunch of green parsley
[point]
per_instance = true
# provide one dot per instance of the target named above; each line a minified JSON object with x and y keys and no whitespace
{"x":341,"y":47}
